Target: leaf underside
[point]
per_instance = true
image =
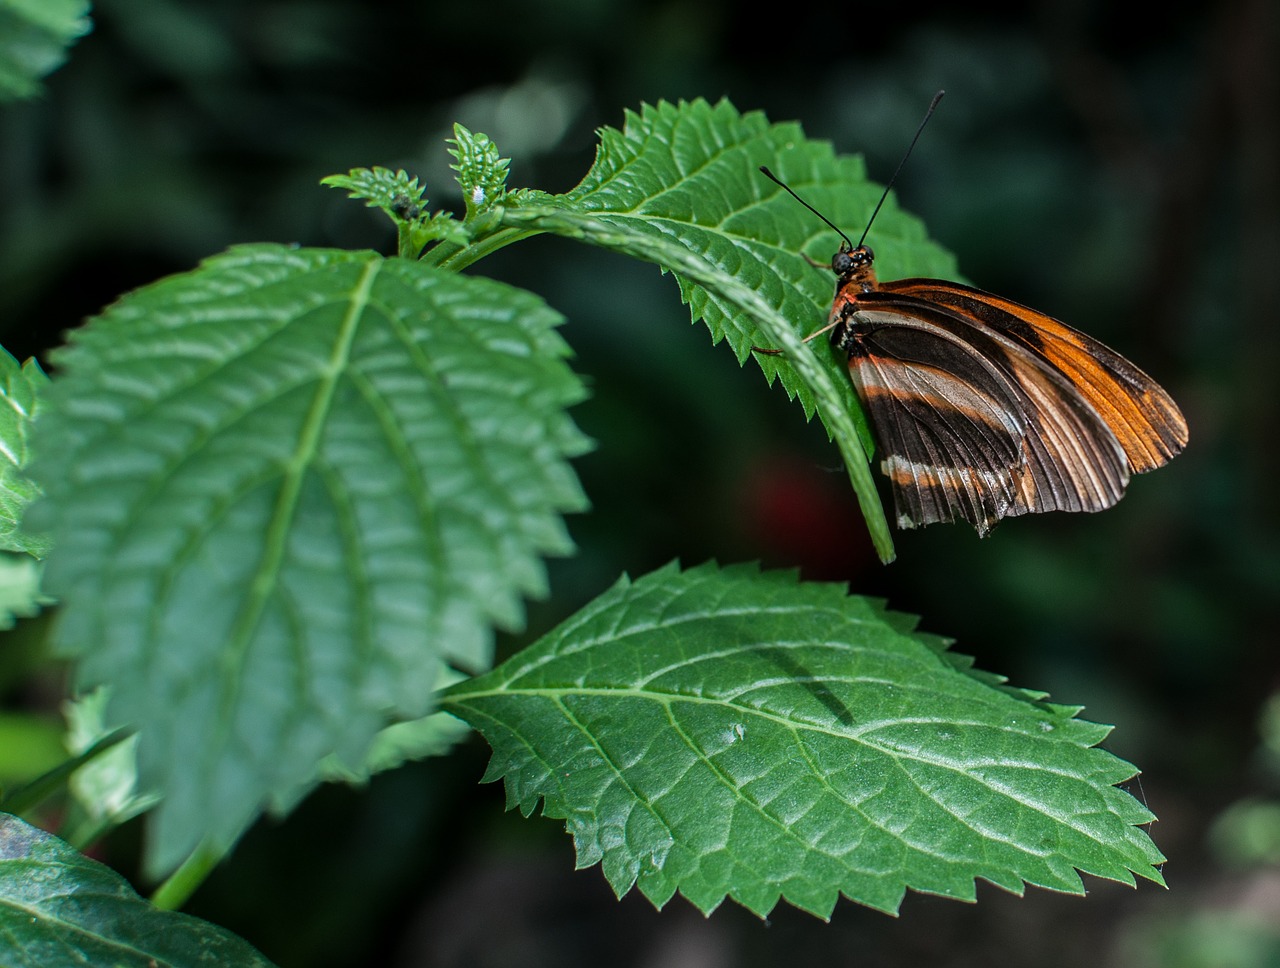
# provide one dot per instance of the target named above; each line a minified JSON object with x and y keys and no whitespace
{"x":284,"y":489}
{"x":680,"y":186}
{"x":727,"y":733}
{"x":690,"y":172}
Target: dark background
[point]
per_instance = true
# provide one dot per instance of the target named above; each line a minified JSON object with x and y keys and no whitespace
{"x":1118,"y":170}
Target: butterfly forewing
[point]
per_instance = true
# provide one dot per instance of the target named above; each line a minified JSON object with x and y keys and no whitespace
{"x":1143,"y":418}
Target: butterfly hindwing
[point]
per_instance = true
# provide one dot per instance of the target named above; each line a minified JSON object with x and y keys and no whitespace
{"x":948,"y":436}
{"x":970,"y":424}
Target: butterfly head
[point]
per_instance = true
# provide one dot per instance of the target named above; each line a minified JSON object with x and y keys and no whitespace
{"x":855,"y":265}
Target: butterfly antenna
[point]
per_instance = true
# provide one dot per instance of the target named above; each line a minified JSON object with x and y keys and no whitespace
{"x":907,"y":154}
{"x":792,"y":192}
{"x":832,"y":225}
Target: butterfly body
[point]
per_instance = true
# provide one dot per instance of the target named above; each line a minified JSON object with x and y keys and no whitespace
{"x":984,"y":409}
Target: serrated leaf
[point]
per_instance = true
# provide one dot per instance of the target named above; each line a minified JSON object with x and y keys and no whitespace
{"x":20,"y":389}
{"x":285,"y":487}
{"x":680,"y":186}
{"x":726,"y":733}
{"x":392,"y":747}
{"x":482,"y":171}
{"x":401,"y":743}
{"x":395,"y":192}
{"x":58,"y":907}
{"x":691,"y":171}
{"x":107,"y":786}
{"x":34,"y":38}
{"x":405,"y":202}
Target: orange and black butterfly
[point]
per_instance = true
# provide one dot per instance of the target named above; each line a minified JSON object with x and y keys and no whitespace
{"x":984,"y":409}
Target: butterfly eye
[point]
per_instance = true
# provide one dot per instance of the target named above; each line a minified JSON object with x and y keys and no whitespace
{"x":849,"y":260}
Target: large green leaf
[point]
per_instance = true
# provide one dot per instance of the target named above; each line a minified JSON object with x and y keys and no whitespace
{"x":58,"y":907}
{"x":34,"y":37}
{"x":730,"y":733}
{"x":284,"y":487}
{"x":680,"y":185}
{"x":691,"y":171}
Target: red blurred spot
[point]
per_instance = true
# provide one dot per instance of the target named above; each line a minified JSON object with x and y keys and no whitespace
{"x":801,"y":515}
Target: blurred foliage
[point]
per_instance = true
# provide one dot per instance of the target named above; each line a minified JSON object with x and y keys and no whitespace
{"x":1208,"y":939}
{"x":1120,"y":173}
{"x":34,"y":37}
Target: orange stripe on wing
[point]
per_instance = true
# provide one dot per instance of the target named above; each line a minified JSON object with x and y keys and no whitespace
{"x":1143,"y":417}
{"x":972,"y":423}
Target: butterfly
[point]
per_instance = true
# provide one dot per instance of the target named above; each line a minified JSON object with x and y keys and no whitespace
{"x":983,"y":408}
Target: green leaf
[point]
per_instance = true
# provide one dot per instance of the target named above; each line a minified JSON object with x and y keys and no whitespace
{"x":58,"y":907}
{"x":106,"y":787}
{"x":680,"y":186}
{"x":20,"y":594}
{"x":34,"y":37}
{"x":392,"y":747}
{"x":405,"y":202}
{"x":401,"y":743}
{"x":285,"y":487}
{"x":482,"y":171}
{"x":730,"y":733}
{"x":20,"y":390}
{"x":400,"y":196}
{"x":691,"y":171}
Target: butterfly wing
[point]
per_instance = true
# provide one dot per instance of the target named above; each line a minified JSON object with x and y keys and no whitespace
{"x":1142,"y":416}
{"x":970,"y":424}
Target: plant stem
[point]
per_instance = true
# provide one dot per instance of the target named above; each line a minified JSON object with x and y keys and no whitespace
{"x":28,"y":797}
{"x":459,"y":259}
{"x":182,"y":883}
{"x":404,"y":240}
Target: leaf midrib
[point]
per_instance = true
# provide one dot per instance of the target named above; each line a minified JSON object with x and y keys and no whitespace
{"x":265,"y":576}
{"x":667,"y":701}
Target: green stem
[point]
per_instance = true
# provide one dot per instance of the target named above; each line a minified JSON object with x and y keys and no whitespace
{"x":31,"y":795}
{"x":456,"y":259}
{"x":404,"y":240}
{"x":182,"y":883}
